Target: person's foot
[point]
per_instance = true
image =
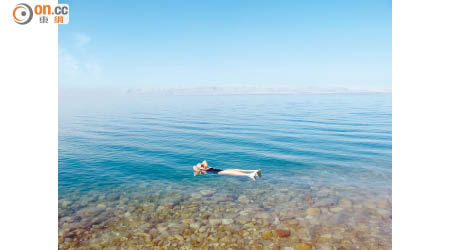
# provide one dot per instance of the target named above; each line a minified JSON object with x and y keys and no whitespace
{"x":258,"y":172}
{"x":253,"y":176}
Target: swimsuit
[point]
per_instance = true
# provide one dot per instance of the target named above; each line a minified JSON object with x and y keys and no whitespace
{"x":213,"y":170}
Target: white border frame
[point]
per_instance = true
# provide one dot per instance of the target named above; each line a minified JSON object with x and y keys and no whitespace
{"x":29,"y":131}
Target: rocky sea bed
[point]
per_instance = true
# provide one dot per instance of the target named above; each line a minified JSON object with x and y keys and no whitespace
{"x":233,"y":215}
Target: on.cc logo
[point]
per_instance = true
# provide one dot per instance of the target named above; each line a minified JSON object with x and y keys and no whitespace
{"x":22,"y":13}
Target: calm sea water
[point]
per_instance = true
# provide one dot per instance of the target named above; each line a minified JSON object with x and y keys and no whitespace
{"x":330,"y":138}
{"x":302,"y":143}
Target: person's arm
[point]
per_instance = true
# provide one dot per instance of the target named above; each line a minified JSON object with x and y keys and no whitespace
{"x":197,"y":170}
{"x":203,"y":168}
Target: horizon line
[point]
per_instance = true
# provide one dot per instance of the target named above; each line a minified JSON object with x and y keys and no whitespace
{"x":226,"y":90}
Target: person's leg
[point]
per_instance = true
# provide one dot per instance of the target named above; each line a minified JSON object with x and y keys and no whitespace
{"x":232,"y":172}
{"x":258,"y":172}
{"x":243,"y":170}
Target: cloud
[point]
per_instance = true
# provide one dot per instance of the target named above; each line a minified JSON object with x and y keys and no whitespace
{"x":94,"y":69}
{"x":77,"y":66}
{"x":81,"y":40}
{"x":68,"y":64}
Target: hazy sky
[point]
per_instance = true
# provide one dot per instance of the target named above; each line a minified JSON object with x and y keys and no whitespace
{"x":208,"y":43}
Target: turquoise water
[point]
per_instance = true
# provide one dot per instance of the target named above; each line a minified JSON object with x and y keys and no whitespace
{"x":326,"y":163}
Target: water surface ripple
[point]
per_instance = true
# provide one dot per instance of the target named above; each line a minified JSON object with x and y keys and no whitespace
{"x":127,"y":160}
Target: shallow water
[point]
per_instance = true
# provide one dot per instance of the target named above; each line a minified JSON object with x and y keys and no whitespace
{"x":125,"y":172}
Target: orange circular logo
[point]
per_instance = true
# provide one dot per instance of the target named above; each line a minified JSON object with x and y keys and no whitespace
{"x":22,"y":13}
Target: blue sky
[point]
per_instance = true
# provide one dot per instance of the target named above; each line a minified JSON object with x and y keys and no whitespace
{"x":219,"y":43}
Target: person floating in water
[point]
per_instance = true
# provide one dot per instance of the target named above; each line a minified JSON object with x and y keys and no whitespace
{"x":203,"y":168}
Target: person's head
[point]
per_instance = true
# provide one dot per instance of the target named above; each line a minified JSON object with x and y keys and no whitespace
{"x":197,"y":168}
{"x":204,"y":163}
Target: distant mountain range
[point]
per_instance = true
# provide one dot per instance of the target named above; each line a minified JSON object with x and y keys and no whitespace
{"x":214,"y":90}
{"x":248,"y":90}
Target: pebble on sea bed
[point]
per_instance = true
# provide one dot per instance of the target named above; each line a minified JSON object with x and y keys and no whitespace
{"x":243,"y":199}
{"x":303,"y":246}
{"x":312,"y":211}
{"x":196,"y":195}
{"x":345,"y":203}
{"x":266,"y":235}
{"x":207,"y":192}
{"x":283,"y":233}
{"x":336,"y":209}
{"x":101,"y":205}
{"x":227,"y":221}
